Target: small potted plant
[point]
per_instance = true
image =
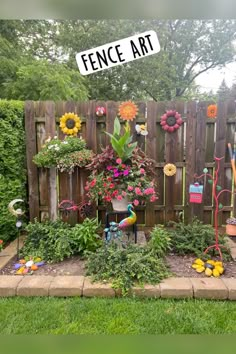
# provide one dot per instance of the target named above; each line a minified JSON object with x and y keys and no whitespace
{"x":231,"y":226}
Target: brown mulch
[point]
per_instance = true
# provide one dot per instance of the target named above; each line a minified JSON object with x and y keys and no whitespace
{"x":180,"y":266}
{"x":72,"y":266}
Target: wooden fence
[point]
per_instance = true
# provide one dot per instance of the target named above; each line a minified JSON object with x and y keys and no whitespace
{"x":190,"y":148}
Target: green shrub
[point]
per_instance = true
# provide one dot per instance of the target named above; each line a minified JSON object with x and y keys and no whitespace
{"x":194,"y":238}
{"x":160,"y":240}
{"x":12,"y":163}
{"x":85,"y":236}
{"x":125,"y":267}
{"x":54,"y":241}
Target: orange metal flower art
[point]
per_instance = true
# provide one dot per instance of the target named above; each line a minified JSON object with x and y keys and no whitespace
{"x":212,"y":111}
{"x":128,"y":110}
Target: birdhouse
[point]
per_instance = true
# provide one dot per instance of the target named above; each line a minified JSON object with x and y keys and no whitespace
{"x":196,"y":193}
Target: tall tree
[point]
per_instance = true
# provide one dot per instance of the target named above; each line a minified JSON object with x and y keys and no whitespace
{"x":188,"y":48}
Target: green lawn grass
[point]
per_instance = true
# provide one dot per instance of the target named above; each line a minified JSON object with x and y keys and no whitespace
{"x":115,"y":316}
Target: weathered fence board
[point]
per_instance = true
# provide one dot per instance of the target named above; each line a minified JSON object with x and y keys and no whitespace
{"x":190,"y":148}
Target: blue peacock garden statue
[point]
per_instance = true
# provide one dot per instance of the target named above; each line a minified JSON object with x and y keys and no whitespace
{"x":115,"y":229}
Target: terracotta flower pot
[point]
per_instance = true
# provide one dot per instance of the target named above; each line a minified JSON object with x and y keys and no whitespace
{"x":231,"y":230}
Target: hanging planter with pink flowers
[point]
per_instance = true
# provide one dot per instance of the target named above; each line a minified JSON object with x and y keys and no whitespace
{"x":171,"y":121}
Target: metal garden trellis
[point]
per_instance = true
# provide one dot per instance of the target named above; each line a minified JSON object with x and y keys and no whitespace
{"x":216,"y":192}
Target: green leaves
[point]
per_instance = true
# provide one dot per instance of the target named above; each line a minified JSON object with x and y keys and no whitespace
{"x":54,"y":241}
{"x":122,"y":143}
{"x":12,"y":163}
{"x":126,"y":267}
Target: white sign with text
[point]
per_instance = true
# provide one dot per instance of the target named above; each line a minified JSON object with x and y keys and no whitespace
{"x":118,"y":52}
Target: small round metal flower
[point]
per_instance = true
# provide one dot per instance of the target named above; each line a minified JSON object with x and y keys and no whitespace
{"x":141,"y":129}
{"x":212,"y":111}
{"x":100,"y":111}
{"x":128,"y":110}
{"x":171,"y":121}
{"x":70,"y":123}
{"x":169,"y":169}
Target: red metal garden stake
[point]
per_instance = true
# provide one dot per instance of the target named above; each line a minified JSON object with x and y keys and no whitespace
{"x":216,"y":196}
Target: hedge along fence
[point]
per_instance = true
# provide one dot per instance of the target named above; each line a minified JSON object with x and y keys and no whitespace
{"x":12,"y":163}
{"x":190,"y":148}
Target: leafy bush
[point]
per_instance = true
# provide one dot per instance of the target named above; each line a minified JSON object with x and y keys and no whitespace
{"x":63,"y":154}
{"x":54,"y":241}
{"x":85,"y":236}
{"x":125,"y":267}
{"x":12,"y":163}
{"x":160,"y":240}
{"x":193,"y":238}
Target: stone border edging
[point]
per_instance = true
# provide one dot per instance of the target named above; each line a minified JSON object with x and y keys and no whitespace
{"x":68,"y":286}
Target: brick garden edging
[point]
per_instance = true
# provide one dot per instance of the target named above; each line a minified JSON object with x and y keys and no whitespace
{"x":67,"y":286}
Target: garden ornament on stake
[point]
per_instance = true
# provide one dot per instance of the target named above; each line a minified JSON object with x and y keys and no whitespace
{"x":18,"y":213}
{"x":115,"y":229}
{"x":216,"y":191}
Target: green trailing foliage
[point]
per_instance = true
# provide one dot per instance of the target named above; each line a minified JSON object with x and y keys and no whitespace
{"x":194,"y":238}
{"x":64,"y":154}
{"x":160,"y":240}
{"x":12,"y":163}
{"x":126,"y":267}
{"x":54,"y":241}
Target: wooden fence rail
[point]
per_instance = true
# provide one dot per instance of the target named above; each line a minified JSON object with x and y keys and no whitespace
{"x":190,"y":148}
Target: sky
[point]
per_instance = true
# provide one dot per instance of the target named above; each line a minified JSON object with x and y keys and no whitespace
{"x":212,"y":79}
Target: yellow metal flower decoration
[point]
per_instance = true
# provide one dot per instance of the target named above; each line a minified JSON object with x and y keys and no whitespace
{"x":210,"y":267}
{"x":70,"y":123}
{"x":169,"y":169}
{"x":128,"y":110}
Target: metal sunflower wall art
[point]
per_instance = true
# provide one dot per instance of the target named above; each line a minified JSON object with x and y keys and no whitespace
{"x":212,"y":111}
{"x":70,"y":123}
{"x":171,"y":121}
{"x":128,"y":110}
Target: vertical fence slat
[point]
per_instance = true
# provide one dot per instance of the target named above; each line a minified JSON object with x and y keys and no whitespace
{"x":50,"y":127}
{"x":200,"y":150}
{"x":152,"y":112}
{"x":31,"y":167}
{"x":190,"y":156}
{"x":220,"y":149}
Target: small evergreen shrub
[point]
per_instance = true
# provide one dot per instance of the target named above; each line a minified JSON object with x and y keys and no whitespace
{"x":125,"y":267}
{"x":194,"y":238}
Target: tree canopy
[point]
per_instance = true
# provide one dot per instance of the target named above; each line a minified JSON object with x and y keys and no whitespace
{"x":188,"y":48}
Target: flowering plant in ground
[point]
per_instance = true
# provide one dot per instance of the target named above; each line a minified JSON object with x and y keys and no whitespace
{"x":112,"y":177}
{"x":1,"y":245}
{"x":63,"y":154}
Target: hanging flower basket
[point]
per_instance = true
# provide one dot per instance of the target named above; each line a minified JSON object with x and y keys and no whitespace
{"x":70,"y":123}
{"x":212,"y":111}
{"x":128,"y":110}
{"x":171,"y":121}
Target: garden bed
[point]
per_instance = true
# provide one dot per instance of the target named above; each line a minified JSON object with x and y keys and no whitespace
{"x":180,"y":266}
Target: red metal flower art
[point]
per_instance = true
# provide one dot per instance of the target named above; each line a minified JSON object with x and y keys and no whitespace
{"x":171,"y":121}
